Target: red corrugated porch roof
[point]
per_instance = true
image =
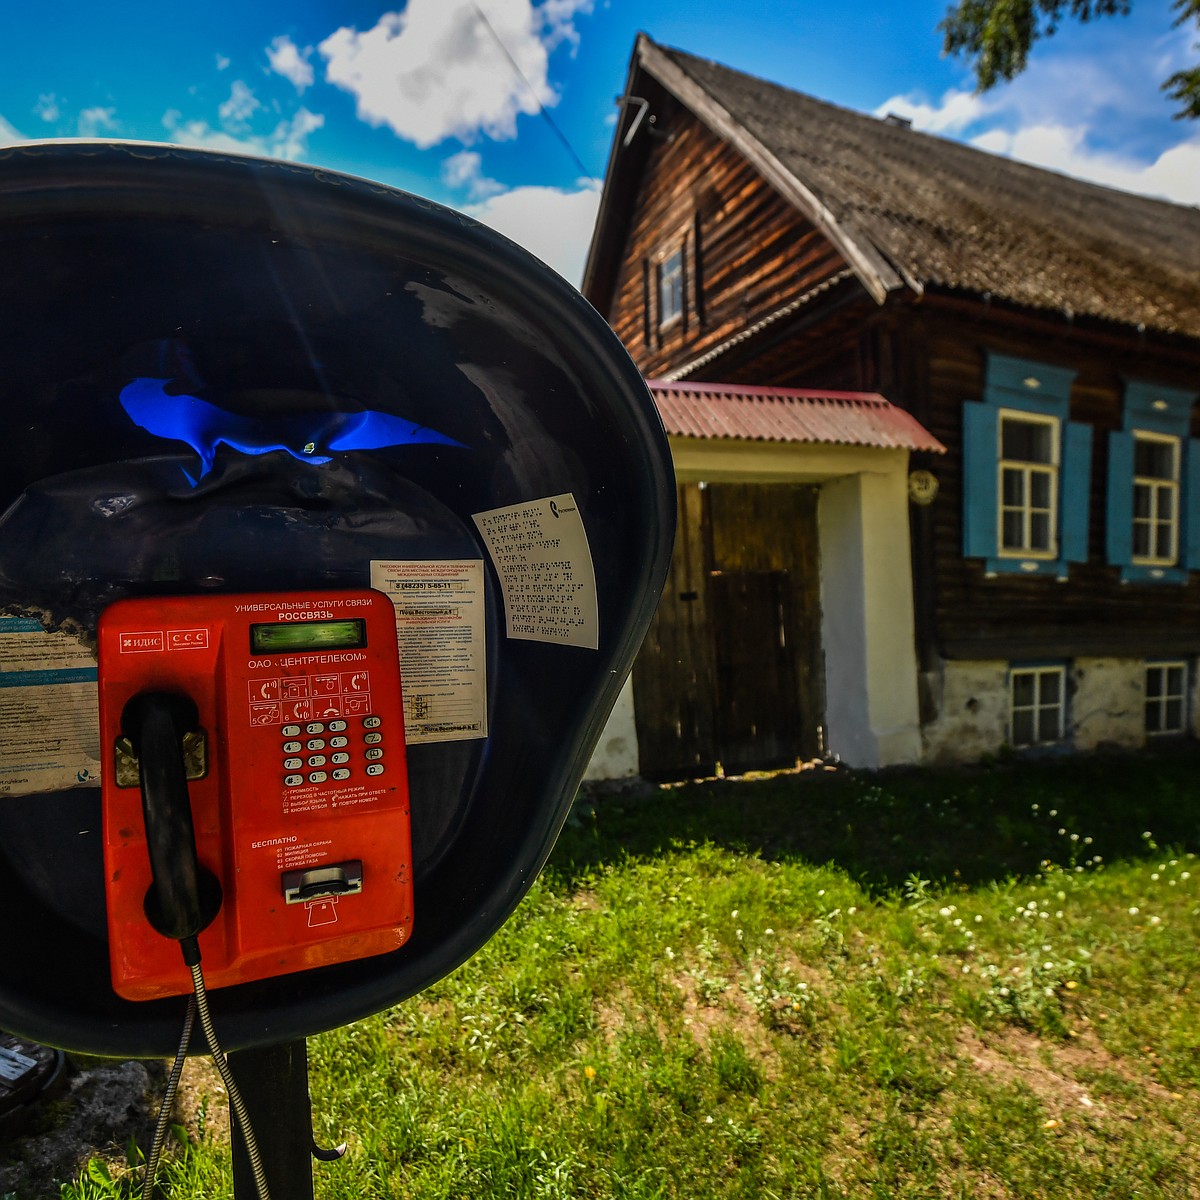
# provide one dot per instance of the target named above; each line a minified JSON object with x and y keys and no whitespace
{"x":720,"y":410}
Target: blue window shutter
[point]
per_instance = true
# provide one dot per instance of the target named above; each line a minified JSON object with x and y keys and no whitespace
{"x":980,"y":459}
{"x":1118,"y":523}
{"x":1191,"y":506}
{"x":1075,"y":495}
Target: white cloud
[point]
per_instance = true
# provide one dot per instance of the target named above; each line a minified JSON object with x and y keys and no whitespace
{"x":47,"y":107}
{"x":1091,"y":109}
{"x":957,"y":111}
{"x":553,"y":224}
{"x":289,"y":139}
{"x":241,"y":105}
{"x":8,"y":134}
{"x":465,"y":170}
{"x":436,"y":71}
{"x":1173,"y":175}
{"x":288,"y":60}
{"x":95,"y":122}
{"x":223,"y":61}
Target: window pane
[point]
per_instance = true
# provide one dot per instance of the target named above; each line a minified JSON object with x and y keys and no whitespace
{"x":1163,"y":548}
{"x":1013,"y":535}
{"x":1153,"y":717}
{"x":1039,"y":489}
{"x":1174,"y":716}
{"x":670,"y":287}
{"x":1048,"y":687}
{"x":1048,"y":725}
{"x":1026,"y":441}
{"x":1174,"y":680}
{"x":1013,"y":487}
{"x":1142,"y":501}
{"x":1166,"y":504}
{"x":1153,"y":459}
{"x":1022,"y":728}
{"x":1154,"y":682}
{"x":1022,"y":689}
{"x":1039,"y":531}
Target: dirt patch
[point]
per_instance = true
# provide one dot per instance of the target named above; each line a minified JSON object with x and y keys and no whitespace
{"x":1061,"y":1074}
{"x":106,"y":1106}
{"x":201,"y":1104}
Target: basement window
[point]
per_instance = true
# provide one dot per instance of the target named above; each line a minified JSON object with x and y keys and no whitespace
{"x":1037,"y":705}
{"x":1166,"y":698}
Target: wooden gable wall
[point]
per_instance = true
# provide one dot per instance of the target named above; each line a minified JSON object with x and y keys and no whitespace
{"x":747,"y":251}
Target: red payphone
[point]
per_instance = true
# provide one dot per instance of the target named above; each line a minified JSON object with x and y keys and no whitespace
{"x":283,"y":712}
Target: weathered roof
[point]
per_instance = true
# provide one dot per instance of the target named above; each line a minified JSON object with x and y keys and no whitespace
{"x":909,"y":209}
{"x":718,"y":410}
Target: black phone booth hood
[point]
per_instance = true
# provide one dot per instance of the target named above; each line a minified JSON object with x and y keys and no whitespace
{"x":226,"y":375}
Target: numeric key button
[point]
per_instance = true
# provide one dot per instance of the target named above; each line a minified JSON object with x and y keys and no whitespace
{"x":375,"y":769}
{"x":372,"y":739}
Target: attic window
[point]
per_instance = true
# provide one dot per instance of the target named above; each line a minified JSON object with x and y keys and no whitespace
{"x":670,"y":289}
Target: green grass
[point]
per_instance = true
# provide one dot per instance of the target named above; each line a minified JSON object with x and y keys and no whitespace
{"x":915,"y":984}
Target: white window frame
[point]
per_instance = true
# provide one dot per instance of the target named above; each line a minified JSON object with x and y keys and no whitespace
{"x":1157,"y":487}
{"x":1027,"y":470}
{"x":1166,"y":695}
{"x":670,"y":285}
{"x":1037,"y":708}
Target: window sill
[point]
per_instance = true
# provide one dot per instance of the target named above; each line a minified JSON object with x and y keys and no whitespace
{"x":1026,"y":566}
{"x":1131,"y":573}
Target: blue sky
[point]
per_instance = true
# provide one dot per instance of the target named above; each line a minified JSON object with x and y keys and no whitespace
{"x":419,"y":94}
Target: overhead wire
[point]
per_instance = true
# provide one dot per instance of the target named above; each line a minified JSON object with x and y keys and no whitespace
{"x":512,"y":62}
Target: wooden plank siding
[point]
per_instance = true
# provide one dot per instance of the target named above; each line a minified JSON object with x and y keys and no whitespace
{"x":748,"y":251}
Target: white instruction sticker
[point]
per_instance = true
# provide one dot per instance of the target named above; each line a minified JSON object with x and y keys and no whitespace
{"x":443,"y":650}
{"x":541,"y":553}
{"x":49,"y":725}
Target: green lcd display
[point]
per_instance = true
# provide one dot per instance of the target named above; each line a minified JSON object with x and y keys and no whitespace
{"x":350,"y":634}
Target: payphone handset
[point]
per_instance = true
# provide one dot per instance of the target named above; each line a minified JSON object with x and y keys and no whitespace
{"x":289,"y":727}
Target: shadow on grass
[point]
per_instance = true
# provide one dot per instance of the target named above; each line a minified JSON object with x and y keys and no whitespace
{"x":969,"y":825}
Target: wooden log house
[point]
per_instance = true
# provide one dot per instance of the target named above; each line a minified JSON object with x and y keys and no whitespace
{"x":933,"y":414}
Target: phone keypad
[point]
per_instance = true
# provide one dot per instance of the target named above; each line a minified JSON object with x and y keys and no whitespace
{"x":299,"y":770}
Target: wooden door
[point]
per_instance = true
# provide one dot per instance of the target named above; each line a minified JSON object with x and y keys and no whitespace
{"x":730,"y":672}
{"x":757,"y":719}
